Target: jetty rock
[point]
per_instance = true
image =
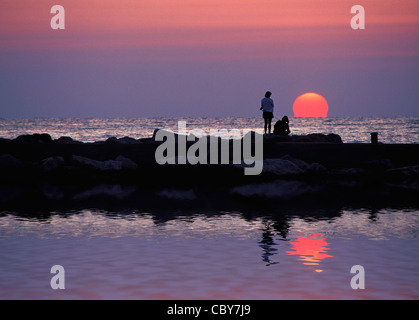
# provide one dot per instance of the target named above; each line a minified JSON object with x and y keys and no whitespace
{"x":45,"y":138}
{"x":119,"y":163}
{"x":39,"y":138}
{"x":282,"y":189}
{"x":287,"y":165}
{"x":312,"y":137}
{"x":177,"y":194}
{"x":66,"y":140}
{"x":8,"y":161}
{"x":405,"y":172}
{"x":281,"y":167}
{"x":124,"y":140}
{"x":108,"y":190}
{"x":36,"y":138}
{"x":53,"y":163}
{"x":126,"y":162}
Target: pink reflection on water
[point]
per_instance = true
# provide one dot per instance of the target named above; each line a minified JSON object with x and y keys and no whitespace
{"x":312,"y":249}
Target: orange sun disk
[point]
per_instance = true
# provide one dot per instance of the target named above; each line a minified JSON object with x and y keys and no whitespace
{"x":310,"y":105}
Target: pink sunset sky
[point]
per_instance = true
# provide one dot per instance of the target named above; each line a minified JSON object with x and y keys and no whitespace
{"x":135,"y":58}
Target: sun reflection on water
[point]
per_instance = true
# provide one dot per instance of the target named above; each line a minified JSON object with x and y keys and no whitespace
{"x":312,"y":249}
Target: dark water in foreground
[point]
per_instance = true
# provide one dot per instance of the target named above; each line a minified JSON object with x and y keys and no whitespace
{"x":210,"y":255}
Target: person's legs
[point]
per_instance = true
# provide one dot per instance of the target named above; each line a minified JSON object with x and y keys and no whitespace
{"x":266,"y":124}
{"x":269,"y":125}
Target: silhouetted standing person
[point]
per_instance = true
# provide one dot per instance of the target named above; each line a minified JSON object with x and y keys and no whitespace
{"x":281,"y":127}
{"x":267,"y":106}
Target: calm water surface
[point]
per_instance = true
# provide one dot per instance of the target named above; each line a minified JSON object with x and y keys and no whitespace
{"x":210,"y":255}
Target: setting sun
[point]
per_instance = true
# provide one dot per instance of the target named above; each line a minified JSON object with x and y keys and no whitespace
{"x":310,"y":105}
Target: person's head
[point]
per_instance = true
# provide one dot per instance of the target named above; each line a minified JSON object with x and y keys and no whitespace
{"x":268,"y":94}
{"x":285,"y":119}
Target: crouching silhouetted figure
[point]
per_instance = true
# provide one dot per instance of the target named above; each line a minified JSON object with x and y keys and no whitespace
{"x":281,"y":127}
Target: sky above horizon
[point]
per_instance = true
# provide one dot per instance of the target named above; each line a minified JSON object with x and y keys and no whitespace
{"x":207,"y":58}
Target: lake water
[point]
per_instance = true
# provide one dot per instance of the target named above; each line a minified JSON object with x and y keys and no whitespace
{"x":210,"y":255}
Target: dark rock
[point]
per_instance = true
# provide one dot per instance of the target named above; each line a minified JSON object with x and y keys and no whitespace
{"x":108,"y":165}
{"x":119,"y":163}
{"x":52,"y":192}
{"x":7,"y":161}
{"x":4,"y":140}
{"x":9,"y":193}
{"x":126,"y":163}
{"x":406,"y":172}
{"x":112,"y":140}
{"x":288,"y":165}
{"x":67,"y":140}
{"x":380,"y":164}
{"x":404,"y":177}
{"x":329,"y":138}
{"x":348,"y":172}
{"x":145,"y":140}
{"x":316,"y":167}
{"x":177,"y":194}
{"x":281,"y":167}
{"x":52,"y":163}
{"x":282,"y":189}
{"x":312,"y":137}
{"x":116,"y":191}
{"x":124,"y":140}
{"x":298,"y":162}
{"x":35,"y":138}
